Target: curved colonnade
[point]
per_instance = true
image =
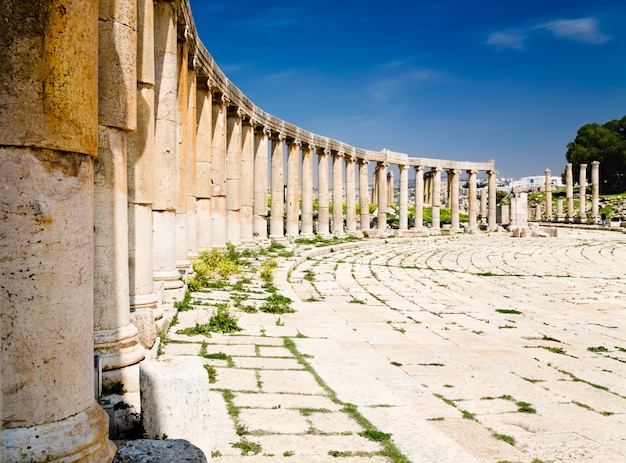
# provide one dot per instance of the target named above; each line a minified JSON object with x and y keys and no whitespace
{"x":116,"y":171}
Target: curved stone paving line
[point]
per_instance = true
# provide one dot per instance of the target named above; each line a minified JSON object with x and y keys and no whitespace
{"x":477,"y":348}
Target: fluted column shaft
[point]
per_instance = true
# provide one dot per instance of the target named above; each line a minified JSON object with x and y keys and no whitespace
{"x":307,"y":191}
{"x":278,"y":188}
{"x":350,"y":195}
{"x":403,"y":200}
{"x":233,"y":176}
{"x":192,"y":213}
{"x":382,"y":196}
{"x":548,"y":190}
{"x":204,"y":116}
{"x":364,"y":201}
{"x":453,"y":180}
{"x":491,"y":206}
{"x":582,"y":185}
{"x":259,"y":220}
{"x":595,"y":190}
{"x":218,"y":172}
{"x":115,"y":338}
{"x":246,"y":183}
{"x":182,"y":159}
{"x":569,"y":192}
{"x":141,"y":169}
{"x":47,"y":153}
{"x":435,"y":198}
{"x":338,"y":193}
{"x":322,"y":192}
{"x":473,"y":201}
{"x":293,"y":187}
{"x":419,"y":197}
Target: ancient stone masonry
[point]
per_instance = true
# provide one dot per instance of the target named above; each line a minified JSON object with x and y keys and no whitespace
{"x":125,"y":151}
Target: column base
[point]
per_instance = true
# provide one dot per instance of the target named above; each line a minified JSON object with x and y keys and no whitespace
{"x":81,"y":438}
{"x":173,"y":287}
{"x":118,"y":347}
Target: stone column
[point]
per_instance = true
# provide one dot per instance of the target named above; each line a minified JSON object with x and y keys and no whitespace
{"x":166,"y":276}
{"x":259,"y":220}
{"x":419,"y":197}
{"x":277,"y":231}
{"x":350,"y":195}
{"x":569,"y":192}
{"x":141,"y":170}
{"x":403,"y":200}
{"x":473,"y":202}
{"x":204,"y":116}
{"x":322,"y":192}
{"x":233,"y":175}
{"x":382,"y":197}
{"x":247,"y":184}
{"x":483,"y":204}
{"x":307,"y":191}
{"x":595,"y":191}
{"x":49,"y":133}
{"x":364,"y":199}
{"x":582,"y":185}
{"x":182,"y":157}
{"x":491,"y":207}
{"x":559,"y":210}
{"x":218,"y":171}
{"x":435,"y":198}
{"x":115,"y":338}
{"x":192,"y":213}
{"x":390,"y":185}
{"x":548,"y":190}
{"x":293,"y":188}
{"x":538,"y":212}
{"x":453,"y":199}
{"x":338,"y":193}
{"x":374,"y":197}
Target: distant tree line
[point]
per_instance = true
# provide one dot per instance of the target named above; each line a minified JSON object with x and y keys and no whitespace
{"x":605,"y":143}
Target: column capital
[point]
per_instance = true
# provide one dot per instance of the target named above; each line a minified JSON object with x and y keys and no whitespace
{"x":296,"y":142}
{"x":279,"y":136}
{"x":339,"y":154}
{"x":402,"y":167}
{"x":384,"y":164}
{"x":362,"y":161}
{"x":548,"y":171}
{"x":418,"y":168}
{"x":453,"y":171}
{"x":224,"y":99}
{"x":595,"y":163}
{"x":472,"y":172}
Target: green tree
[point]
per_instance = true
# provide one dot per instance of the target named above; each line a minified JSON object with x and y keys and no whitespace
{"x":606,"y":144}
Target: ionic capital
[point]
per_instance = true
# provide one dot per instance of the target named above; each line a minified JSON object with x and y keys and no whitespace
{"x":418,"y":168}
{"x":296,"y":142}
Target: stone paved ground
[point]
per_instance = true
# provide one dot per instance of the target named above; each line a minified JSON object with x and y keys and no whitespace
{"x":482,"y":348}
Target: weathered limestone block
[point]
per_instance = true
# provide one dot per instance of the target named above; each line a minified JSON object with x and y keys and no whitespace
{"x":159,"y":451}
{"x":143,"y":320}
{"x":174,"y":400}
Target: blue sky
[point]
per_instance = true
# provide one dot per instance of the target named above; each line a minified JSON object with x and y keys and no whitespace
{"x":510,"y":81}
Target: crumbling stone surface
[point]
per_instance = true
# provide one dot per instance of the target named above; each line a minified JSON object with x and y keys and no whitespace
{"x":159,"y":451}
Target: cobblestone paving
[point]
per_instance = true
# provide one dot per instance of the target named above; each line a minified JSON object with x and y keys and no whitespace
{"x":481,"y":348}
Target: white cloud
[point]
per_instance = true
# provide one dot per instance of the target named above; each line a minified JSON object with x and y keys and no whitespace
{"x":583,"y":30}
{"x":508,"y":39}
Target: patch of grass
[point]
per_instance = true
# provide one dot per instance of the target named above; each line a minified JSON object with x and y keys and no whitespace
{"x":309,"y":275}
{"x":438,"y":418}
{"x":337,"y":453}
{"x":448,"y":401}
{"x":278,"y":304}
{"x":509,"y":311}
{"x":279,"y":322}
{"x":507,"y":327}
{"x":467,"y":415}
{"x":223,"y":322}
{"x":354,"y":300}
{"x":530,"y":380}
{"x":185,"y":304}
{"x":211,"y":372}
{"x":375,"y":435}
{"x":525,"y":407}
{"x":504,"y":437}
{"x":289,"y":453}
{"x":247,"y":447}
{"x":202,"y":329}
{"x":310,"y":411}
{"x":267,"y":270}
{"x":597,"y":349}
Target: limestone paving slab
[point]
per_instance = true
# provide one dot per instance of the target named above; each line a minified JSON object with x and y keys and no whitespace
{"x":289,"y":381}
{"x":276,"y":421}
{"x":285,"y":401}
{"x":267,"y":363}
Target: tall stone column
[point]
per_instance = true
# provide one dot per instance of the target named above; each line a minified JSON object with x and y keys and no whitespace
{"x":582,"y":185}
{"x":559,"y":210}
{"x":166,"y":276}
{"x":49,"y":133}
{"x":293,"y":187}
{"x":141,"y":170}
{"x":350,"y":195}
{"x":419,"y":197}
{"x":247,"y":184}
{"x":234,"y":121}
{"x":192,"y":212}
{"x":382,"y":197}
{"x":595,"y":191}
{"x":453,"y":199}
{"x":374,"y":197}
{"x":491,"y":207}
{"x":259,"y":220}
{"x":473,"y":202}
{"x":307,"y":191}
{"x":483,"y":204}
{"x":277,"y":231}
{"x":115,"y":338}
{"x":436,"y":198}
{"x":182,"y":158}
{"x":322,"y":192}
{"x":569,"y":192}
{"x":403,"y":199}
{"x":218,"y":171}
{"x":390,"y":185}
{"x":338,"y":193}
{"x":548,"y":190}
{"x":364,"y":199}
{"x":204,"y":116}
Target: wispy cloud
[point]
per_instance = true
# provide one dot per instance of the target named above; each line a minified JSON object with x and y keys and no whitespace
{"x":586,"y":30}
{"x":383,"y":88}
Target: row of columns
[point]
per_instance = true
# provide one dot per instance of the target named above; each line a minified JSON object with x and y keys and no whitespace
{"x":570,"y":214}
